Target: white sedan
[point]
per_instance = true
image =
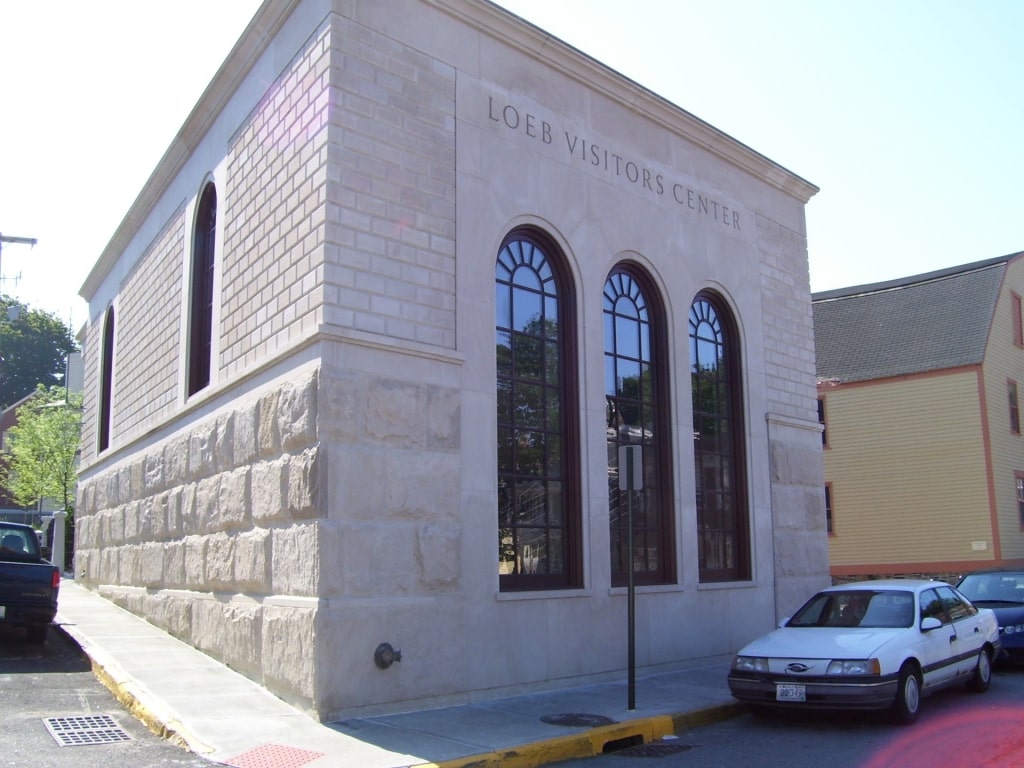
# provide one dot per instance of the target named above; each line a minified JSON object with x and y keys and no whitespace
{"x":870,"y":645}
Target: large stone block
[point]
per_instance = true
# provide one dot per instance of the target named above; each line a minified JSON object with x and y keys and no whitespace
{"x":202,"y":446}
{"x":176,"y":461}
{"x":220,"y":562}
{"x":195,"y":562}
{"x":174,"y":565}
{"x":444,"y":424}
{"x":245,"y":434}
{"x":295,"y":560}
{"x":151,"y":565}
{"x":297,"y":410}
{"x":438,"y":556}
{"x":268,"y":437}
{"x":231,"y":632}
{"x":224,"y":446}
{"x":396,"y":413}
{"x":344,"y":408}
{"x":252,"y":561}
{"x":208,"y":505}
{"x":268,"y":488}
{"x":304,"y":485}
{"x":234,"y":499}
{"x":153,"y":480}
{"x":290,"y":652}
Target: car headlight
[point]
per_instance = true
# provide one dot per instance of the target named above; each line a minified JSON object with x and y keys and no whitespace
{"x":854,"y":667}
{"x":1012,"y":629}
{"x":750,"y":664}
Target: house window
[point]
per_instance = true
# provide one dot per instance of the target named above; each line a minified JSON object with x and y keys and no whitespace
{"x":635,"y":389}
{"x":1018,"y":320}
{"x":539,"y":513}
{"x":821,"y":420}
{"x":723,"y":548}
{"x":200,"y":340}
{"x":828,"y":508}
{"x":1011,"y":392}
{"x":106,"y":380}
{"x":1020,"y":496}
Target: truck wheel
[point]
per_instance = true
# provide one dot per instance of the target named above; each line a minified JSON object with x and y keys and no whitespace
{"x":37,"y":633}
{"x":908,"y":696}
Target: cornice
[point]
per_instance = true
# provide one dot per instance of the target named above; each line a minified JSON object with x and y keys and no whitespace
{"x":264,"y":25}
{"x":533,"y":41}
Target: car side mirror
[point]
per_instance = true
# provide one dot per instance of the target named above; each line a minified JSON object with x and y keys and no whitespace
{"x":930,"y":623}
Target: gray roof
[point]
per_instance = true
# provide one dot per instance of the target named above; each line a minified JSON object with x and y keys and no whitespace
{"x":916,"y":324}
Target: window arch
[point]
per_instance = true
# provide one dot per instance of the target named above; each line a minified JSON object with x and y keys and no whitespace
{"x":106,"y":380}
{"x":636,"y":410}
{"x":539,"y":518}
{"x":723,"y":543}
{"x":200,"y":340}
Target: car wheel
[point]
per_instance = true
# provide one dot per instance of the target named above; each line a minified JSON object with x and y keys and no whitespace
{"x":982,"y":676}
{"x":37,"y":633}
{"x":908,"y":696}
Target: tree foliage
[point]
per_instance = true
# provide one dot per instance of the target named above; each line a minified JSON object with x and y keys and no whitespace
{"x":34,"y":346}
{"x":42,"y":449}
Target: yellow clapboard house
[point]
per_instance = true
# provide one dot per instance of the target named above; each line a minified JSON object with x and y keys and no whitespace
{"x":919,"y":384}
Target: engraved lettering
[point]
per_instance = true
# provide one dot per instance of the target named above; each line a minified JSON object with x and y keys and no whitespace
{"x":512,"y":122}
{"x":611,"y":162}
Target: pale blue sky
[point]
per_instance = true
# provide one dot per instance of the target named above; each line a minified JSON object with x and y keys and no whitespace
{"x":909,"y":114}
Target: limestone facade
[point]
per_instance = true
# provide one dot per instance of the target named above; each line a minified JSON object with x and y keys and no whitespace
{"x":333,"y":487}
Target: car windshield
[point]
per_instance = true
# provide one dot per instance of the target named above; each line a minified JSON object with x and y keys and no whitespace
{"x":857,"y":608}
{"x":993,"y":587}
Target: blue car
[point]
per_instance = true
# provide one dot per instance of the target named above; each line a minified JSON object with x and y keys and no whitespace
{"x":1003,"y":592}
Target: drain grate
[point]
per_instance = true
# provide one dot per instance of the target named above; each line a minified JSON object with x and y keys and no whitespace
{"x":77,"y":731}
{"x":577,"y":721}
{"x":654,"y":749}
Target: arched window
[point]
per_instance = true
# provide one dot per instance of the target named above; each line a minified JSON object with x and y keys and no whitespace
{"x":636,"y":410}
{"x":723,"y":543}
{"x":539,"y":514}
{"x":106,"y":379}
{"x":200,"y":340}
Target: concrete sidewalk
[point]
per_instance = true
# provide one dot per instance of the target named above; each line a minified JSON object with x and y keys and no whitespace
{"x":186,"y":696}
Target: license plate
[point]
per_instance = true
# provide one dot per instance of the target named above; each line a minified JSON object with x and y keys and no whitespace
{"x":790,"y":692}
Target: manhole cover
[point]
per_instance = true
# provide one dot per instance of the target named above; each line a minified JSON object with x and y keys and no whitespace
{"x":80,"y":730}
{"x":654,"y":749}
{"x":577,"y":721}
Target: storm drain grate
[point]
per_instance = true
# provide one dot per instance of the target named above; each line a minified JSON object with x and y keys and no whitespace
{"x":573,"y":720}
{"x":654,"y":749}
{"x":80,"y":730}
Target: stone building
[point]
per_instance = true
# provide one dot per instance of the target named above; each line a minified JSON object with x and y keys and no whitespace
{"x":362,"y":356}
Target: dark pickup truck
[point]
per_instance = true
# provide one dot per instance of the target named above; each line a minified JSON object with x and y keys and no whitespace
{"x":28,"y":583}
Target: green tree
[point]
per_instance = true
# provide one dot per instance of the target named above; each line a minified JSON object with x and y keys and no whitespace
{"x":34,"y":346}
{"x":42,"y":451}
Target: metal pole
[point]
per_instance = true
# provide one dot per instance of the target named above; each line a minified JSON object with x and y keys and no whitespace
{"x":631,"y":588}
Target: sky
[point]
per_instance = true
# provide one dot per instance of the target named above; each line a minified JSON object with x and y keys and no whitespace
{"x":908,"y":114}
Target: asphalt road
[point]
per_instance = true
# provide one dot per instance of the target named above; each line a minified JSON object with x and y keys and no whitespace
{"x":54,"y":683}
{"x":956,"y":729}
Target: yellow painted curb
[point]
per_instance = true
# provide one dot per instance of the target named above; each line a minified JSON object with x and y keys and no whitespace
{"x":592,"y":742}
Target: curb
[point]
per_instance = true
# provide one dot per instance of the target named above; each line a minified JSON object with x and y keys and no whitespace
{"x":120,"y":685}
{"x":595,"y":741}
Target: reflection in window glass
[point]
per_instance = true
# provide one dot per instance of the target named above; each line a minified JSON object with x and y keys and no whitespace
{"x":538,"y":518}
{"x":722,"y":528}
{"x":634,"y":412}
